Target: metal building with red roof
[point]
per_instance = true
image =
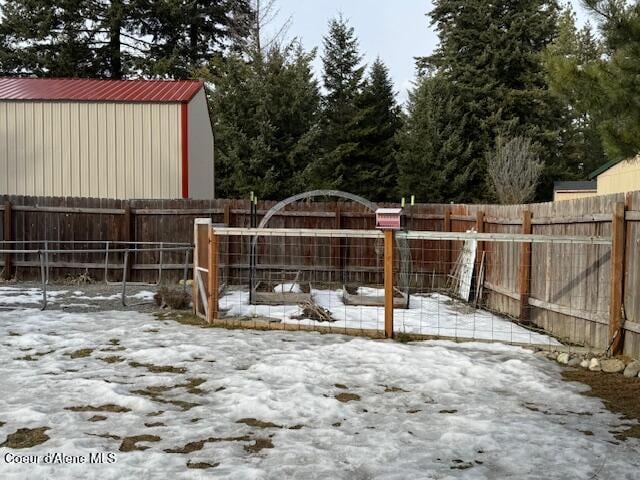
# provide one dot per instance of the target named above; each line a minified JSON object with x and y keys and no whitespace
{"x":119,"y":139}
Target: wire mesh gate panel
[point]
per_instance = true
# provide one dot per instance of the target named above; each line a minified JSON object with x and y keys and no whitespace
{"x":482,"y":286}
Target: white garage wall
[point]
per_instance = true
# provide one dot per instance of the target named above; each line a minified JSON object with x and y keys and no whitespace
{"x":90,"y":149}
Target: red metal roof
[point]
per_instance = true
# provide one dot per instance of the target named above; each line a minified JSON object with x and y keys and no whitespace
{"x":93,"y":90}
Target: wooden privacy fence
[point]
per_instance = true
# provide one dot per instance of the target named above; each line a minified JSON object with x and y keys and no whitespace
{"x":581,"y":276}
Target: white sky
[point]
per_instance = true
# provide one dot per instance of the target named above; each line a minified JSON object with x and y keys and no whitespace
{"x":395,"y":30}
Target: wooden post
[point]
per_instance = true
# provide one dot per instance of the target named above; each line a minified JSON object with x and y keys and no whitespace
{"x":524,"y":274}
{"x":195,"y":295}
{"x":446,"y":227}
{"x":337,"y":247}
{"x":227,"y":242}
{"x":616,"y":332}
{"x":7,"y":237}
{"x":480,"y":247}
{"x":127,"y":234}
{"x":388,"y":283}
{"x":212,"y":280}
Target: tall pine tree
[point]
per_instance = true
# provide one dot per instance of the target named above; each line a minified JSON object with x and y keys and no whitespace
{"x":341,"y":114}
{"x":603,"y":84}
{"x":116,"y":38}
{"x":489,"y":58}
{"x":432,"y":156}
{"x":571,"y":52}
{"x":265,"y":109}
{"x":372,"y":167}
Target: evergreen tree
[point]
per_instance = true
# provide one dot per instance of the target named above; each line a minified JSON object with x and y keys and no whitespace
{"x":602,"y":82}
{"x":489,"y":57}
{"x":187,"y":34}
{"x":115,"y":38}
{"x":341,"y":129}
{"x":373,"y":171}
{"x":572,"y":51}
{"x":432,"y":152}
{"x":265,"y":109}
{"x":46,"y":38}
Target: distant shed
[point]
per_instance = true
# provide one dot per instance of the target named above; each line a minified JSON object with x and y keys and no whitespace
{"x":571,"y":190}
{"x":105,"y":138}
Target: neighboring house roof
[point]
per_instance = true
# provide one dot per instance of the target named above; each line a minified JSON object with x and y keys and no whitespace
{"x":604,"y":168}
{"x":575,"y":186}
{"x":94,"y":90}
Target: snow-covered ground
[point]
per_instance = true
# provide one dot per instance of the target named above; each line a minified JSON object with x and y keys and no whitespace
{"x":12,"y":296}
{"x":433,"y":314}
{"x":276,"y":405}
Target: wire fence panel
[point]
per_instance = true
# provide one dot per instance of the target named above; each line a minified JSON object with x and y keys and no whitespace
{"x":461,"y":285}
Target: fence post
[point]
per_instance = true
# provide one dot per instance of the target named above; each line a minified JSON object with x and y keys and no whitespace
{"x":616,"y":333}
{"x":337,"y":246}
{"x":388,"y":283}
{"x":480,"y":249}
{"x":212,"y":280}
{"x":227,"y":241}
{"x":7,"y":237}
{"x":127,"y":234}
{"x":524,"y":274}
{"x":446,"y":227}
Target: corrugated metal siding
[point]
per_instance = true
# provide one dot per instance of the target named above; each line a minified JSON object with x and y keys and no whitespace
{"x":622,"y":177}
{"x":93,"y":90}
{"x":109,"y":150}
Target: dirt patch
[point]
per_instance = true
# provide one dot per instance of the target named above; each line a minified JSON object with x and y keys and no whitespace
{"x":393,"y":389}
{"x":192,"y":385}
{"x":158,"y":368}
{"x":619,"y":394}
{"x":82,"y":353}
{"x":252,"y":422}
{"x":197,"y":445}
{"x":112,"y":349}
{"x":413,"y":411}
{"x":130,"y":444}
{"x":448,"y":411}
{"x":26,"y":438}
{"x":347,"y":397}
{"x":154,"y":424}
{"x":32,"y":357}
{"x":97,"y":418}
{"x":112,"y":359}
{"x":340,"y":385}
{"x":105,"y":435}
{"x":191,"y":464}
{"x":155,"y":414}
{"x":108,"y":407}
{"x":182,"y":404}
{"x":258,"y":445}
{"x":15,"y":334}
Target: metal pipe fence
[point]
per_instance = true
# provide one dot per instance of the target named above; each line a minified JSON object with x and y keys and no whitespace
{"x":44,"y":250}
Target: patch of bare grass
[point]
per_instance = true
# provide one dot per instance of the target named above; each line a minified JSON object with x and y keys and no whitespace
{"x":26,"y":438}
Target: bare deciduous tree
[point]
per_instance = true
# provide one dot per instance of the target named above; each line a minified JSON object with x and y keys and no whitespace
{"x":514,"y":170}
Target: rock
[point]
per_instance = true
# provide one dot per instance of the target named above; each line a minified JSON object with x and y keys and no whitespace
{"x":563,"y":358}
{"x":552,"y":355}
{"x":594,"y":365}
{"x":633,"y":369}
{"x":584,"y":363}
{"x":575,"y":362}
{"x":612,"y":365}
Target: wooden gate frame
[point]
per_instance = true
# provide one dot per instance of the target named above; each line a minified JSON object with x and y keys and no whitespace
{"x":205,"y":270}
